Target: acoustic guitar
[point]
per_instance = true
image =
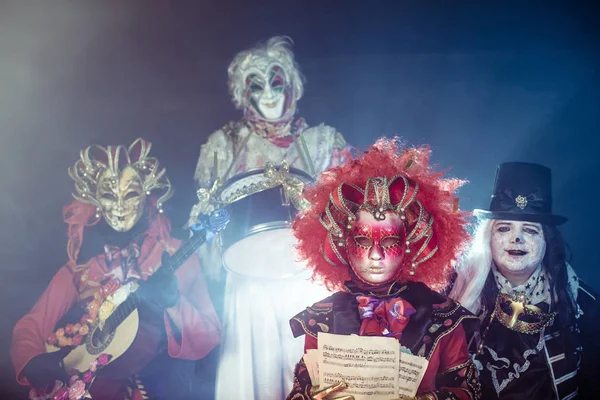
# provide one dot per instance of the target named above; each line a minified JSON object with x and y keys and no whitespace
{"x":119,"y":330}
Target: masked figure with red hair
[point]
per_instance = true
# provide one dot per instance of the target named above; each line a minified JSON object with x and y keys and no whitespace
{"x":384,"y":229}
{"x":118,"y":210}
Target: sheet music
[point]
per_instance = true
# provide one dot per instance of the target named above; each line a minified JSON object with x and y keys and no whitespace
{"x":411,"y":371}
{"x":368,"y":364}
{"x":311,"y":359}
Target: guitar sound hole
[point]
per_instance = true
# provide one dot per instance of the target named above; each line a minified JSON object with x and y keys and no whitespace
{"x":98,"y":340}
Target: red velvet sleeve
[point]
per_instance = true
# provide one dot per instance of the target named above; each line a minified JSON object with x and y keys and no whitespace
{"x":33,"y":329}
{"x":456,"y":374}
{"x":200,"y":328}
{"x":310,"y":343}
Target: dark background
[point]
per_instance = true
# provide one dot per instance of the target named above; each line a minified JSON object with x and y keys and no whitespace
{"x":482,"y":82}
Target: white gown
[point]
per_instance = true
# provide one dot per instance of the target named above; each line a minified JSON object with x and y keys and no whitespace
{"x":258,"y":351}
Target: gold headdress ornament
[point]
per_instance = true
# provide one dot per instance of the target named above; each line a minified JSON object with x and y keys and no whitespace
{"x":95,"y":160}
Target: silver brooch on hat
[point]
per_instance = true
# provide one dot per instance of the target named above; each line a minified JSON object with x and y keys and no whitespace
{"x":521,"y":202}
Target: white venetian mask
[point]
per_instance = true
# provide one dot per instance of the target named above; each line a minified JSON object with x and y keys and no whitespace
{"x":122,"y":198}
{"x":518,"y":247}
{"x":266,"y":91}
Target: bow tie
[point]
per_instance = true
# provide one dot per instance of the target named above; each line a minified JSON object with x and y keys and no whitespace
{"x":122,"y":263}
{"x":383,"y":317}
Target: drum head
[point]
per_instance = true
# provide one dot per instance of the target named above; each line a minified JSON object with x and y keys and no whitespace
{"x":268,"y":254}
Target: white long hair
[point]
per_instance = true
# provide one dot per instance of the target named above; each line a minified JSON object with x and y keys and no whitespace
{"x":473,"y":269}
{"x":277,"y":49}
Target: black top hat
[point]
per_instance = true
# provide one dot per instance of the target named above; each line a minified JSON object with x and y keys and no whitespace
{"x":522,"y":192}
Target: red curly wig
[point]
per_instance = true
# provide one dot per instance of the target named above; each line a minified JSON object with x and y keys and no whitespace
{"x":387,"y":177}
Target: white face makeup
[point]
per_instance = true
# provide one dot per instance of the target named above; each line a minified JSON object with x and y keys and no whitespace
{"x":122,"y":199}
{"x":518,"y":248}
{"x":266,"y":90}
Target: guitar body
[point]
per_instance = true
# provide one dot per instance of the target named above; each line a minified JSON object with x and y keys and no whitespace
{"x":121,"y":326}
{"x":115,"y":345}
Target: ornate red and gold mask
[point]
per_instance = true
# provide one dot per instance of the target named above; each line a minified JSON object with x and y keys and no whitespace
{"x":383,"y":216}
{"x":383,"y":220}
{"x":375,"y":247}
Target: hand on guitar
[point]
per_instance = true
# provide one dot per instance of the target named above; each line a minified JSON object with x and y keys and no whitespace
{"x":161,"y":289}
{"x":43,"y":369}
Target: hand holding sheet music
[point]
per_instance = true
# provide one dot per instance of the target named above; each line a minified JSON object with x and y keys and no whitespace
{"x":372,"y":367}
{"x":369,"y":365}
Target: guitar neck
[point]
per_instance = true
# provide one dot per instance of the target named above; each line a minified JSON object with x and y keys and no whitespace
{"x":185,"y":251}
{"x":172,"y":263}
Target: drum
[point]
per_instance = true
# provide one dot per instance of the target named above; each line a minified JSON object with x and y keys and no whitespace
{"x":258,"y":241}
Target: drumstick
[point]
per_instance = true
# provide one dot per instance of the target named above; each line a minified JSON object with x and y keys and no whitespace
{"x":215,"y":167}
{"x":237,"y":153}
{"x":304,"y":155}
{"x":310,"y":163}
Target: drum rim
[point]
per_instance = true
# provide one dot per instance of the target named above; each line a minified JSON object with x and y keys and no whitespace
{"x":268,"y":226}
{"x":256,"y":171}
